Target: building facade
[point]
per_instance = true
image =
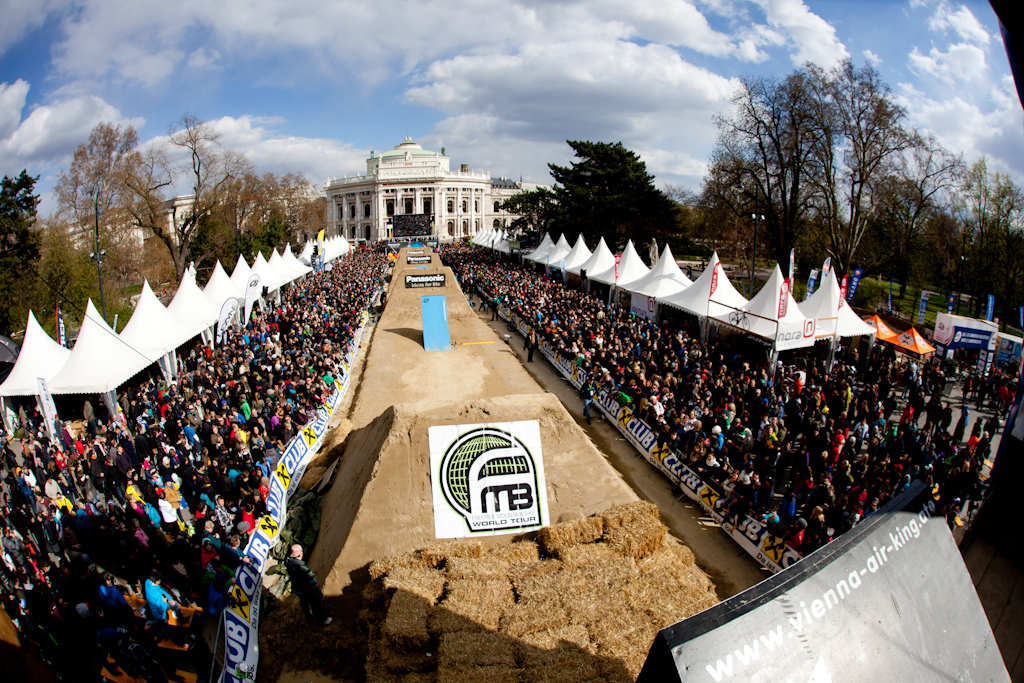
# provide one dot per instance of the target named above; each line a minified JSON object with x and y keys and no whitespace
{"x":412,"y":180}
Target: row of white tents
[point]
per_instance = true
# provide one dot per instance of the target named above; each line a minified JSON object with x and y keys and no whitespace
{"x":771,"y":315}
{"x":102,"y":359}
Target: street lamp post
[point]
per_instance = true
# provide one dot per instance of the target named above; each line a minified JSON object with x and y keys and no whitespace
{"x":756,"y":218}
{"x":99,"y":253}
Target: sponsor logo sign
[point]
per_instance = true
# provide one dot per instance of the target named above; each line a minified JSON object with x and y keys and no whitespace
{"x":420,"y":281}
{"x":417,"y":259}
{"x":487,"y":479}
{"x":642,"y":306}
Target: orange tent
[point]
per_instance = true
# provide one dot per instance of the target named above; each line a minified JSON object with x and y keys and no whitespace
{"x":912,"y":342}
{"x":882,"y":331}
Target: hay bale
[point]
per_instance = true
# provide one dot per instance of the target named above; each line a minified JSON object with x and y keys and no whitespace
{"x":407,"y":662}
{"x":426,"y":583}
{"x":541,"y":586}
{"x":672,"y":593}
{"x":671,"y":556}
{"x":540,"y":568}
{"x":471,"y":605}
{"x":471,"y":649}
{"x":626,"y":636}
{"x":480,"y":674}
{"x":438,"y":554}
{"x":630,"y":513}
{"x":574,"y":557}
{"x":385,"y":565}
{"x":534,"y":616}
{"x":637,"y":540}
{"x":556,"y":638}
{"x":557,"y":538}
{"x":522,"y":552}
{"x":405,"y":627}
{"x":477,"y":568}
{"x":558,"y":655}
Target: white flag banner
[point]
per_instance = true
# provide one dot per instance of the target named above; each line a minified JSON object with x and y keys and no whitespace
{"x":49,"y":409}
{"x":252,"y":292}
{"x":487,"y":479}
{"x":227,"y":311}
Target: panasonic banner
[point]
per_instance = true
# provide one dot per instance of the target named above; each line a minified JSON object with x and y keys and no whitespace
{"x":242,"y":617}
{"x":487,"y":479}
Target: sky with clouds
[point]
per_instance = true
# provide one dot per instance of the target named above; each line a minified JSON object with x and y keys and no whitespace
{"x":312,"y":86}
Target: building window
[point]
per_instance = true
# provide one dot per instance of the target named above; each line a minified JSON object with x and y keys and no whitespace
{"x":496,"y":209}
{"x":426,"y":206}
{"x":451,"y":226}
{"x":476,"y":206}
{"x":390,"y":207}
{"x":465,"y":206}
{"x":341,"y":212}
{"x":408,"y":206}
{"x":451,"y":206}
{"x":497,"y":223}
{"x":351,"y":210}
{"x":476,"y":225}
{"x":366,"y":210}
{"x":465,"y":227}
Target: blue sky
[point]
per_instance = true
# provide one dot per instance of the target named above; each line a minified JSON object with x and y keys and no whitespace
{"x":312,"y":86}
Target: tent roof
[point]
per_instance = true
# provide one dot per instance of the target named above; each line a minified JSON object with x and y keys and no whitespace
{"x":710,"y":294}
{"x":631,"y":268}
{"x":286,"y":272}
{"x":912,"y":341}
{"x":664,"y":279}
{"x":307,"y":252}
{"x":832,"y":316}
{"x":599,"y":260}
{"x":220,"y":288}
{"x":578,"y":256}
{"x":772,"y":315}
{"x":559,"y":252}
{"x":479,"y":237}
{"x":240,"y":275}
{"x":882,"y":331}
{"x":40,"y":357}
{"x":269,"y":277}
{"x":101,"y":360}
{"x":151,"y":326}
{"x":191,"y":307}
{"x":292,"y":262}
{"x":546,"y":245}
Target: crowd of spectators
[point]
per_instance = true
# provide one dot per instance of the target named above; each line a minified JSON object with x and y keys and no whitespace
{"x":158,"y":501}
{"x":807,"y":451}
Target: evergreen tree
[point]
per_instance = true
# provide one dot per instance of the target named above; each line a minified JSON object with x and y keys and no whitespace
{"x":19,"y":248}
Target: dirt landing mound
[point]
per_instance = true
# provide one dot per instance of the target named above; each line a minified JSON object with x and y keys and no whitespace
{"x":587,"y":612}
{"x":381,"y":505}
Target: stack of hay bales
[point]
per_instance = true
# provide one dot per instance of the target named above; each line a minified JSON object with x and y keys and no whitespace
{"x":583,"y":602}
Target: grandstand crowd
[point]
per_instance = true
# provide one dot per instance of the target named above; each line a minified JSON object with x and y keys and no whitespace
{"x":116,"y":524}
{"x":807,"y":451}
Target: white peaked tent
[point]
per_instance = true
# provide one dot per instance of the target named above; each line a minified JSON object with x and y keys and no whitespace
{"x":502,"y":243}
{"x":478,"y":238}
{"x":546,"y":245}
{"x":240,"y":275}
{"x":772,"y":315}
{"x":285,"y":273}
{"x":40,"y":357}
{"x":192,"y":309}
{"x":709,"y":295}
{"x":631,"y":269}
{"x":101,"y":360}
{"x":269,"y":277}
{"x":153,"y":327}
{"x":558,"y":252}
{"x":220,"y":288}
{"x":578,"y":256}
{"x":664,"y":279}
{"x":289,"y":259}
{"x":832,"y":316}
{"x":306,"y":255}
{"x":599,"y":260}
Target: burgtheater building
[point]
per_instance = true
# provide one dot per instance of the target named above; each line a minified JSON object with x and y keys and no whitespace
{"x":410,"y":185}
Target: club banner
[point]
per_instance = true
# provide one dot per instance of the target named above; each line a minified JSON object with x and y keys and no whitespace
{"x":853,"y":284}
{"x":890,"y":295}
{"x":62,"y":331}
{"x":923,"y":309}
{"x":487,"y":479}
{"x":227,"y":311}
{"x":49,"y":409}
{"x":991,"y":307}
{"x":792,"y":265}
{"x":952,"y":302}
{"x":643,"y":306}
{"x":812,"y":280}
{"x":252,"y":292}
{"x":842,"y":289}
{"x":750,"y":534}
{"x":242,"y":618}
{"x":826,"y":267}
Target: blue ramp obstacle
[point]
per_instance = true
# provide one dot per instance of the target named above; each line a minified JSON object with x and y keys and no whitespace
{"x":435,"y":323}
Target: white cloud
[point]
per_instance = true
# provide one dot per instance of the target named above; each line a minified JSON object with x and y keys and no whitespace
{"x":961,"y":63}
{"x":21,"y":18}
{"x":814,"y":39}
{"x":962,"y":22}
{"x":204,"y":60}
{"x":872,"y":58}
{"x":50,"y":133}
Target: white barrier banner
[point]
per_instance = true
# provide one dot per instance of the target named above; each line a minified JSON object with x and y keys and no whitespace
{"x":643,"y":306}
{"x":769,"y":550}
{"x":242,"y":619}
